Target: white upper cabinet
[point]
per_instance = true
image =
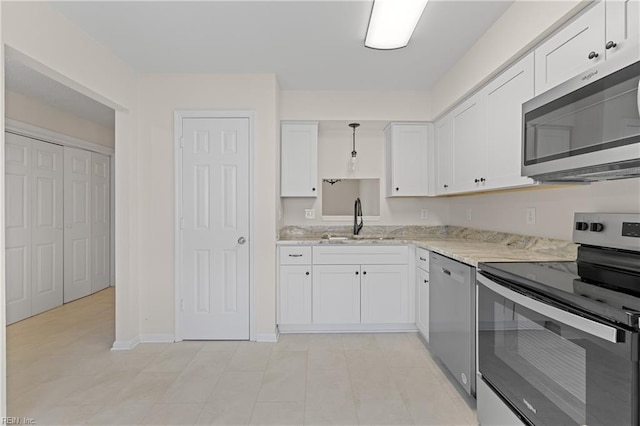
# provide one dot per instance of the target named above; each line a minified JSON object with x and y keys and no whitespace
{"x":299,"y":160}
{"x":406,"y":149}
{"x":469,"y":144}
{"x":608,"y":29}
{"x":503,"y":99}
{"x":622,"y":28}
{"x":443,"y":153}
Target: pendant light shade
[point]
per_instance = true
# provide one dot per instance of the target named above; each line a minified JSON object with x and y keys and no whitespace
{"x":392,"y":23}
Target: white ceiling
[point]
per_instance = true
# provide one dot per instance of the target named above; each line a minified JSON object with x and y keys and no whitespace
{"x":28,"y":82}
{"x":308,"y":44}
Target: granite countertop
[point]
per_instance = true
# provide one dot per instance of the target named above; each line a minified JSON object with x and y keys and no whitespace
{"x":470,"y":246}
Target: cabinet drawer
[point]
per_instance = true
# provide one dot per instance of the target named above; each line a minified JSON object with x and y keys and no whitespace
{"x":357,"y":255}
{"x":422,"y":258}
{"x":295,"y":255}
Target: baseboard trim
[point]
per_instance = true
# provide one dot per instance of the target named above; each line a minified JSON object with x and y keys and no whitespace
{"x":348,"y":328}
{"x":125,"y":345}
{"x":157,"y":338}
{"x":267,"y":337}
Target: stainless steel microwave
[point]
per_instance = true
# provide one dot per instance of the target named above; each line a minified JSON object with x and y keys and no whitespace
{"x":586,"y":129}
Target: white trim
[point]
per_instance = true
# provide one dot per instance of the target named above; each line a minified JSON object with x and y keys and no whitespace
{"x":267,"y":337}
{"x":34,"y":132}
{"x":347,"y":328}
{"x":156,"y":338}
{"x":125,"y":345}
{"x":179,"y":115}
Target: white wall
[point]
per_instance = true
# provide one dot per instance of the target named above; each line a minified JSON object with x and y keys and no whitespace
{"x":68,"y":55}
{"x":523,"y":25}
{"x":28,"y":110}
{"x":159,"y":97}
{"x":3,"y":317}
{"x":505,"y":211}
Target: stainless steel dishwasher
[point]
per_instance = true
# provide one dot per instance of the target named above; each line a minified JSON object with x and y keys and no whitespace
{"x":452,"y":316}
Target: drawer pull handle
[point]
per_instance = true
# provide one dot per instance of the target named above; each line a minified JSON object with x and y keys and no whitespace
{"x":295,"y":255}
{"x":423,"y":259}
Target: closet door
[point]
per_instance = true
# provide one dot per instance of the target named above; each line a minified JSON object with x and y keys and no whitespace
{"x":77,"y":220}
{"x":18,"y":227}
{"x":100,"y":220}
{"x":46,"y":226}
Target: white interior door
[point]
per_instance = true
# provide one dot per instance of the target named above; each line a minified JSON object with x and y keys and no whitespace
{"x":46,"y":235}
{"x":215,"y":229}
{"x":18,"y":226}
{"x":77,"y":219}
{"x":100,"y":221}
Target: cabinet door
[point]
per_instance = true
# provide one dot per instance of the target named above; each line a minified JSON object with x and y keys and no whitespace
{"x":571,"y":50}
{"x":299,"y":160}
{"x":407,"y":149}
{"x":385,"y":294}
{"x":504,"y":97}
{"x":622,"y":28}
{"x":443,"y":148}
{"x":469,"y":145}
{"x":422,"y":286}
{"x":336,"y":294}
{"x":294,"y":295}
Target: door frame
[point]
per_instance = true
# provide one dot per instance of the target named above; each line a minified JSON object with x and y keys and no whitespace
{"x":179,"y":115}
{"x":34,"y":132}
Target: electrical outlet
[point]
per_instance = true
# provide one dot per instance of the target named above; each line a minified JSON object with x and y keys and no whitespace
{"x":424,"y":214}
{"x":531,"y":215}
{"x":468,"y":214}
{"x":309,"y":213}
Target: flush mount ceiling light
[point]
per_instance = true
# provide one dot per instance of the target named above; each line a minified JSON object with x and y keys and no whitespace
{"x":392,"y":22}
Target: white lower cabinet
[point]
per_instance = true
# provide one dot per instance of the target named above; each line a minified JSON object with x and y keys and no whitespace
{"x":385,"y":294}
{"x":336,"y":294}
{"x":422,"y":293}
{"x":355,"y":287}
{"x":294,"y":299}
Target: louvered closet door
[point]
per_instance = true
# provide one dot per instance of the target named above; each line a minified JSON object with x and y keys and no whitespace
{"x":47,"y":233}
{"x":18,"y":227}
{"x":100,"y":221}
{"x":77,"y":219}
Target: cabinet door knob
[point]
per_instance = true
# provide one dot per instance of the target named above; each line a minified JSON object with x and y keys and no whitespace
{"x":313,"y":189}
{"x":426,"y":281}
{"x":364,"y":272}
{"x":306,"y":273}
{"x":610,"y":45}
{"x":357,"y":272}
{"x":593,"y":55}
{"x":483,"y":180}
{"x":446,"y":186}
{"x":397,"y":189}
{"x":476,"y":180}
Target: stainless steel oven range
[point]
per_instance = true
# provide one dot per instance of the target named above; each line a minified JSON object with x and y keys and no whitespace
{"x":558,"y":342}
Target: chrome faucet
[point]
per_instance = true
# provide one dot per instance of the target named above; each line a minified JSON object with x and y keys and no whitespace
{"x":357,"y":212}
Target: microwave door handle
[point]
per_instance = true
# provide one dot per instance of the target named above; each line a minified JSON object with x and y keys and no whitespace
{"x":585,"y":325}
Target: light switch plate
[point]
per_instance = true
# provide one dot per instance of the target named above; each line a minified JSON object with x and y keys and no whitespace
{"x":309,"y":213}
{"x":424,"y":214}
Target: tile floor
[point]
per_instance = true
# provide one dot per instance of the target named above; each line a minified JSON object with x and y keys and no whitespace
{"x":61,"y":371}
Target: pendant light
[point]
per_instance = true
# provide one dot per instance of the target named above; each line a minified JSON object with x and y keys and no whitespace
{"x":353,"y":152}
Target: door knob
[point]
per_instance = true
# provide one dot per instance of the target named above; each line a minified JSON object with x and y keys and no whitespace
{"x":242,"y":240}
{"x":593,"y":55}
{"x":610,"y":44}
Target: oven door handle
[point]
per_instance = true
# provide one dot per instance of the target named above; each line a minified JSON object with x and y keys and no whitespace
{"x":585,"y":325}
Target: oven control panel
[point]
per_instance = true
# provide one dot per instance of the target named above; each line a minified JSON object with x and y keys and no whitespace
{"x":616,"y":230}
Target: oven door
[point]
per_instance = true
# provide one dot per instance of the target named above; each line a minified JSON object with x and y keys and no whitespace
{"x":552,"y":366}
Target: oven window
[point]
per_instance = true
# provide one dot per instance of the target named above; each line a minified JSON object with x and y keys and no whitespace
{"x":601,"y":115}
{"x":554,"y":374}
{"x":555,"y":365}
